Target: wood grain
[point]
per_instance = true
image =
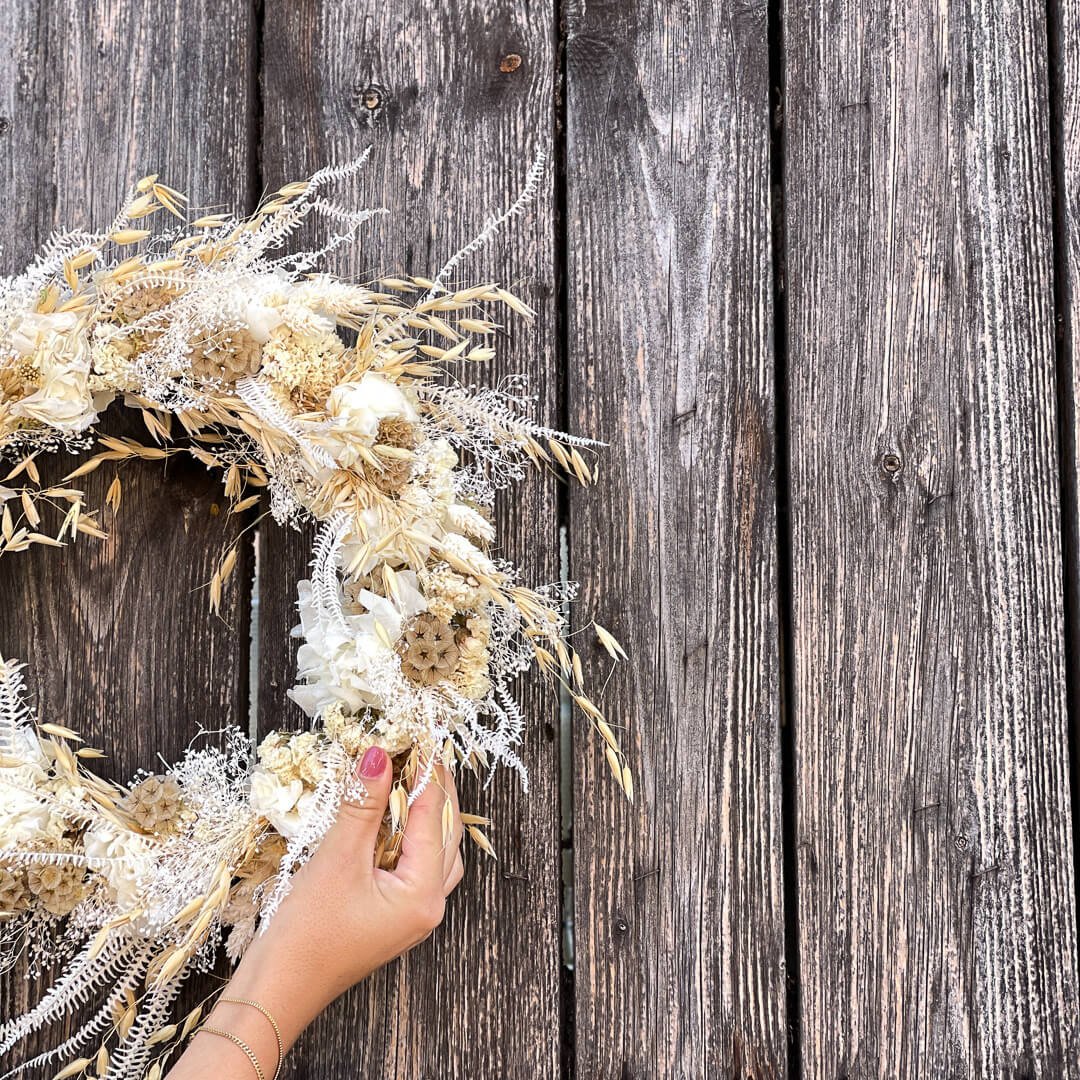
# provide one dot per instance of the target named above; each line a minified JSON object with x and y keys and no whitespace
{"x":453,"y":135}
{"x":932,"y":834}
{"x":118,"y":635}
{"x":679,"y":903}
{"x":1064,"y":42}
{"x":937,"y":922}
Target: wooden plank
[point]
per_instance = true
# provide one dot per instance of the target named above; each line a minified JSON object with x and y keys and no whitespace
{"x":118,"y":635}
{"x":1064,"y":42}
{"x":454,"y":122}
{"x":679,"y":901}
{"x":937,"y":923}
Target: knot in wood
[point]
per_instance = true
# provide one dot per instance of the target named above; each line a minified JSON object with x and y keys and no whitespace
{"x":510,"y":62}
{"x":373,"y":99}
{"x":891,"y":463}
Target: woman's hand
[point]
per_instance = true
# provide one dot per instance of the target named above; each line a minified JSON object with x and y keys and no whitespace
{"x":343,"y":919}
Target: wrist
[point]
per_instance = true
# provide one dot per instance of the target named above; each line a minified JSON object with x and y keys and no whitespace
{"x":283,"y":986}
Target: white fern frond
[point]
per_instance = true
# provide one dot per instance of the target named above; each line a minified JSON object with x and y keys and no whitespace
{"x":14,"y":711}
{"x":491,"y":227}
{"x":103,"y":1019}
{"x":257,"y":398}
{"x":81,"y":977}
{"x":132,"y":1056}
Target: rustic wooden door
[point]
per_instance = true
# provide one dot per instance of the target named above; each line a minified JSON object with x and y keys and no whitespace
{"x":809,"y":269}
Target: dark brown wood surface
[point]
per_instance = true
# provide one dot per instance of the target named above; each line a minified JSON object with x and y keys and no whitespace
{"x":936,"y":903}
{"x":679,"y":901}
{"x":836,"y":526}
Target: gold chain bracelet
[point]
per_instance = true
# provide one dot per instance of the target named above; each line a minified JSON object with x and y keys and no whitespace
{"x":243,"y":1046}
{"x":273,"y":1023}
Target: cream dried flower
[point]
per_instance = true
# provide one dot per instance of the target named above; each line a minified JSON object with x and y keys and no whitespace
{"x":355,"y":736}
{"x":474,"y":659}
{"x":304,"y":749}
{"x":110,"y":363}
{"x":306,"y":366}
{"x":142,"y":302}
{"x":275,"y":755}
{"x":292,"y":756}
{"x":63,"y":399}
{"x":18,"y":377}
{"x":448,"y":590}
{"x":398,"y":735}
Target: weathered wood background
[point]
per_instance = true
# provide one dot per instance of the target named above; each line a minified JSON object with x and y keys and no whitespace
{"x":812,"y":270}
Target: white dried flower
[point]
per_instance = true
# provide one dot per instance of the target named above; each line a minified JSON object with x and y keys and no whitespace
{"x":25,"y":816}
{"x":282,"y":803}
{"x":340,"y":656}
{"x":355,"y":410}
{"x":130,"y":858}
{"x":63,"y":400}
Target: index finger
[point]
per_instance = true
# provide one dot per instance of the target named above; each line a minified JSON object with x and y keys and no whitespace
{"x":422,"y":846}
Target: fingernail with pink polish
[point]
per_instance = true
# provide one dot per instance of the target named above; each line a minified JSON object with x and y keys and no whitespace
{"x":372,"y":763}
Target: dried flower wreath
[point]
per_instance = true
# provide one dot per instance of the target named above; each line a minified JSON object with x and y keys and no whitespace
{"x":412,"y":632}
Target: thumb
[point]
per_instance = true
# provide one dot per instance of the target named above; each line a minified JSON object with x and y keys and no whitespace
{"x":357,"y":827}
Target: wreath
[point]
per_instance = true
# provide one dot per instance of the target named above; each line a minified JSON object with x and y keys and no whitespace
{"x":331,"y":403}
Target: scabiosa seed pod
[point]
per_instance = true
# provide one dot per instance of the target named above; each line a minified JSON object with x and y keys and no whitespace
{"x":429,"y":651}
{"x":58,"y":888}
{"x":227,"y":357}
{"x":14,"y":893}
{"x":156,"y":803}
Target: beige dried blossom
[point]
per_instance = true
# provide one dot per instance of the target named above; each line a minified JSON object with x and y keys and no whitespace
{"x":355,"y":736}
{"x":241,"y":905}
{"x":156,"y":804}
{"x":479,"y":628}
{"x":428,"y":650}
{"x":352,"y":604}
{"x":274,"y":754}
{"x":396,"y":431}
{"x":14,"y":891}
{"x":471,"y":676}
{"x":449,"y":592}
{"x":18,"y":378}
{"x":306,"y":761}
{"x":243,"y":908}
{"x":395,"y":473}
{"x":398,"y":735}
{"x":292,"y":756}
{"x":58,"y":888}
{"x":227,"y":357}
{"x":142,"y":302}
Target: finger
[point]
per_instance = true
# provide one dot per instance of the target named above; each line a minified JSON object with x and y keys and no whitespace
{"x":457,"y":872}
{"x":357,"y":827}
{"x":421,"y":846}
